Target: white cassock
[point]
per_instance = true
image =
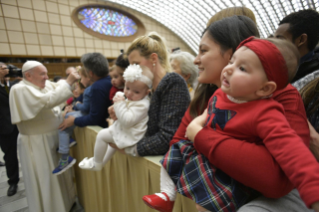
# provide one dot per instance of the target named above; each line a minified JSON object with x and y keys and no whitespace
{"x":37,"y":115}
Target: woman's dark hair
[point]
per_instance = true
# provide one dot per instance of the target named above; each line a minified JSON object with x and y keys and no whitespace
{"x":122,"y":62}
{"x":228,"y":33}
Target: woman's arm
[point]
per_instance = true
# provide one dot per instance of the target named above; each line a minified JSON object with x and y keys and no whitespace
{"x":168,"y":105}
{"x":240,"y":159}
{"x":181,"y":131}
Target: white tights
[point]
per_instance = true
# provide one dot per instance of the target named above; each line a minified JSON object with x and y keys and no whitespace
{"x":103,"y":152}
{"x":167,"y":185}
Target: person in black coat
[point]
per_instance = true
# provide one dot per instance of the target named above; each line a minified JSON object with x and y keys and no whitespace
{"x":8,"y":135}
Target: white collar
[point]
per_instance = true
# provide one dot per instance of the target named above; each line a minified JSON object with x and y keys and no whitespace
{"x":31,"y":84}
{"x":237,"y":101}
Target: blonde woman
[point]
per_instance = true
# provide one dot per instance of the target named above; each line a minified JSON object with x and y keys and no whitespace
{"x":169,"y":100}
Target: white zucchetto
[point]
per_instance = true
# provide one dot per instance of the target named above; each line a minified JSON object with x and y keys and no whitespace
{"x":30,"y":64}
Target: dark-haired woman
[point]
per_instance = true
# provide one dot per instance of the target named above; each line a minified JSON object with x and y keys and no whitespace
{"x":217,"y":45}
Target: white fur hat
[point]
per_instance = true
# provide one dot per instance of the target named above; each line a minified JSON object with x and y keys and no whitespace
{"x":30,"y":64}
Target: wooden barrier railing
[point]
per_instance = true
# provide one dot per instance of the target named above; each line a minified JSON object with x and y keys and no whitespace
{"x":122,"y":183}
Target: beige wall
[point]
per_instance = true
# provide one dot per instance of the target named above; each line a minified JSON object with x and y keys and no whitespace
{"x":45,"y":28}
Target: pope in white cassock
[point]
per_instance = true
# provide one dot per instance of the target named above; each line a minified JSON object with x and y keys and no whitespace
{"x":34,"y":109}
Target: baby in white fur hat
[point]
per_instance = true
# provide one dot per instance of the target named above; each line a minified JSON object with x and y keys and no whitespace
{"x":132,"y":118}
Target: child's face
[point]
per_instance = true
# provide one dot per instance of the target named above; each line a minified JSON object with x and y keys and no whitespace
{"x":85,"y":81}
{"x":136,"y":90}
{"x":77,"y":90}
{"x":117,"y":77}
{"x":243,"y":76}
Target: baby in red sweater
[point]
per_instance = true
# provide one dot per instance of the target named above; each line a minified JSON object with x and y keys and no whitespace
{"x":243,"y":108}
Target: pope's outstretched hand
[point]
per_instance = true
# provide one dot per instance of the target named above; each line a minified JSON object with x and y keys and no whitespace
{"x":73,"y":77}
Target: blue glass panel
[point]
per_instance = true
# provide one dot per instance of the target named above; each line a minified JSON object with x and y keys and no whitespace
{"x":107,"y":22}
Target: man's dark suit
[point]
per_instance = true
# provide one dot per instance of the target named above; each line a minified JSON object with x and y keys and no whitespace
{"x":8,"y":138}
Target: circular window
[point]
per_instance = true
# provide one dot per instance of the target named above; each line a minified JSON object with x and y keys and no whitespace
{"x":108,"y":23}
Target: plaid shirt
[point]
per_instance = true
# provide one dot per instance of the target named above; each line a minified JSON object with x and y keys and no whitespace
{"x":299,"y":84}
{"x":314,"y":117}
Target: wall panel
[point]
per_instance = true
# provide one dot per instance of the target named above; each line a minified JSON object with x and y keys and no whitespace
{"x":45,"y":27}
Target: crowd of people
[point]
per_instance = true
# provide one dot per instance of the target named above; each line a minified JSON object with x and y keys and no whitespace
{"x":237,"y":125}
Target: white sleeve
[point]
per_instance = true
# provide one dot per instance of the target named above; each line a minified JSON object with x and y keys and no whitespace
{"x":26,"y":101}
{"x":132,"y":150}
{"x":129,"y":116}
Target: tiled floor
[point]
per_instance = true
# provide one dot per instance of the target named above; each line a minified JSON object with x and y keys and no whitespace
{"x":18,"y":202}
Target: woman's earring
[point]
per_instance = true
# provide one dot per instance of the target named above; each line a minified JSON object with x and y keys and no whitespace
{"x":153,"y":64}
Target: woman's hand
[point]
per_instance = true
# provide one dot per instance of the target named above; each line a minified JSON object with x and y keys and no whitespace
{"x":314,"y":141}
{"x":68,"y":122}
{"x":315,"y":206}
{"x":112,"y":113}
{"x":195,"y":126}
{"x":118,"y":149}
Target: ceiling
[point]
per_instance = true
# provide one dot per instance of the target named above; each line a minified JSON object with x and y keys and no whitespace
{"x":188,"y":18}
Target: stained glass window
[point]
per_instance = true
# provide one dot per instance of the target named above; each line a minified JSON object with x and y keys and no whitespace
{"x":107,"y":22}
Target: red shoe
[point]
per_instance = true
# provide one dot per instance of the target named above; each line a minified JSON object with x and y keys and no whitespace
{"x":158,"y":203}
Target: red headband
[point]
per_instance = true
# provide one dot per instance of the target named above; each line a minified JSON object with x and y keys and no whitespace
{"x":271,"y":59}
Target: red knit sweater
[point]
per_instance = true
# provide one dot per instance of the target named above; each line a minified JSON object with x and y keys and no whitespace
{"x":250,"y":163}
{"x":113,"y":92}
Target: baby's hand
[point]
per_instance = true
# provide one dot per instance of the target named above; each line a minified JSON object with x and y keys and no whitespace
{"x":119,"y":96}
{"x":78,"y":102}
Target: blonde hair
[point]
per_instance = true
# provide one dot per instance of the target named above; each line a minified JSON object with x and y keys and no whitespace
{"x":147,"y":72}
{"x":149,"y":44}
{"x":83,"y":72}
{"x":111,"y":68}
{"x":290,"y":54}
{"x":231,"y":11}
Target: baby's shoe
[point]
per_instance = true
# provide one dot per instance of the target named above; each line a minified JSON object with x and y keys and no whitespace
{"x":160,"y":202}
{"x":90,"y":164}
{"x":72,"y":142}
